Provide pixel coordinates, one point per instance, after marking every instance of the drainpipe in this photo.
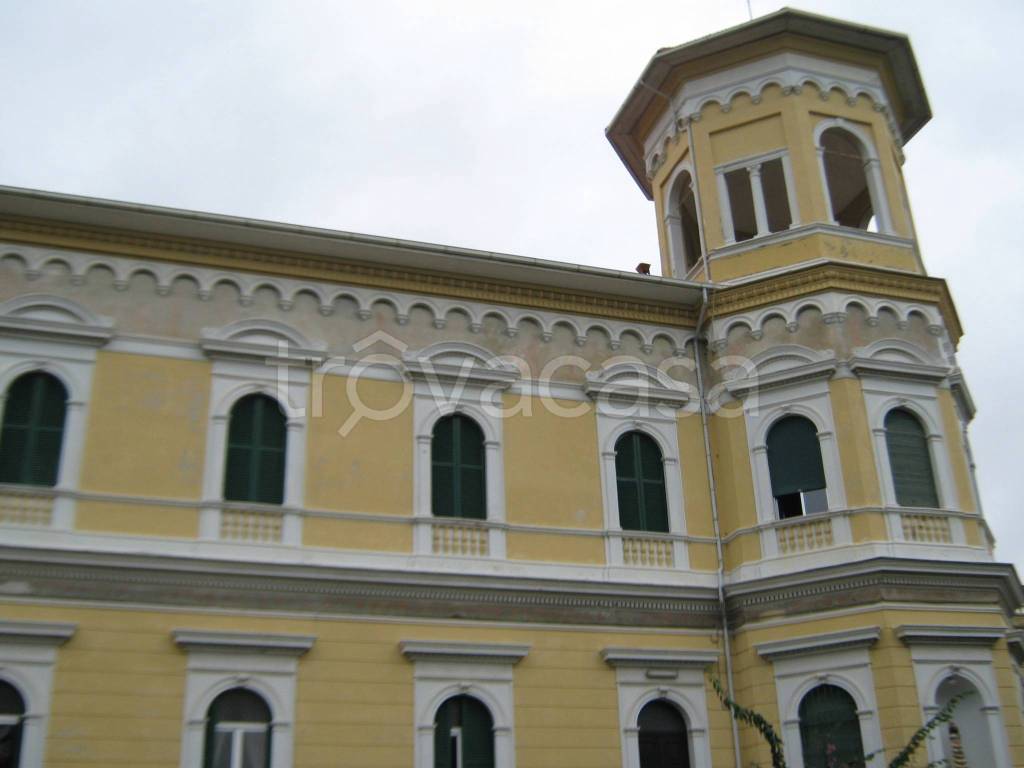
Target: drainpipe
(698, 358)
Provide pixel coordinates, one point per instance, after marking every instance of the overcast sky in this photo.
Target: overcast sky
(481, 124)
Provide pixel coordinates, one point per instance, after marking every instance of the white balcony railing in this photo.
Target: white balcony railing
(805, 536)
(256, 526)
(647, 551)
(460, 538)
(926, 529)
(26, 507)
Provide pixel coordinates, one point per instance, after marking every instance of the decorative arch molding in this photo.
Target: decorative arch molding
(632, 381)
(219, 661)
(54, 318)
(781, 366)
(33, 259)
(644, 675)
(789, 71)
(446, 669)
(261, 339)
(834, 308)
(459, 363)
(898, 358)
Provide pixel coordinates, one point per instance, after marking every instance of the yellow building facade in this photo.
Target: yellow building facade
(279, 496)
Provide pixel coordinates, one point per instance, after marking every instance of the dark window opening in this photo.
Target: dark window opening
(663, 738)
(640, 478)
(910, 460)
(846, 177)
(776, 198)
(687, 210)
(463, 734)
(12, 716)
(458, 473)
(33, 430)
(795, 467)
(830, 729)
(257, 438)
(741, 203)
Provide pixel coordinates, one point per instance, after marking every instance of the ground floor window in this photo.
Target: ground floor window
(238, 731)
(463, 734)
(12, 713)
(663, 742)
(830, 729)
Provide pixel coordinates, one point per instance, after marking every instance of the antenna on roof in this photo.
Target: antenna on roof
(750, 12)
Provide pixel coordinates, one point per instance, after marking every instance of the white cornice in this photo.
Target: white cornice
(243, 350)
(476, 653)
(899, 370)
(36, 632)
(825, 643)
(242, 642)
(798, 233)
(940, 634)
(823, 369)
(658, 657)
(54, 330)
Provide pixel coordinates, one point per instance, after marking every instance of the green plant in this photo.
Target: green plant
(756, 720)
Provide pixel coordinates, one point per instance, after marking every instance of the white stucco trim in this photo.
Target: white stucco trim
(28, 653)
(220, 661)
(481, 670)
(231, 380)
(648, 402)
(841, 659)
(448, 378)
(944, 653)
(644, 675)
(67, 351)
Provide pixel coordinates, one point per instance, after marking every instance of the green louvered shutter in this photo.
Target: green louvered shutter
(640, 479)
(476, 742)
(794, 457)
(33, 430)
(256, 451)
(910, 460)
(458, 476)
(830, 729)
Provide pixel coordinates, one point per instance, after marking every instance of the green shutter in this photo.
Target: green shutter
(794, 457)
(458, 475)
(830, 729)
(640, 479)
(257, 438)
(910, 460)
(33, 430)
(477, 728)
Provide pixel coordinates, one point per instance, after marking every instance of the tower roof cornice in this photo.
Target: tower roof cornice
(670, 68)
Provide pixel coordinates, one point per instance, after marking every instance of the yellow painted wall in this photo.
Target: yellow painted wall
(957, 455)
(552, 468)
(733, 473)
(553, 547)
(853, 435)
(693, 464)
(340, 533)
(140, 519)
(758, 136)
(370, 468)
(146, 426)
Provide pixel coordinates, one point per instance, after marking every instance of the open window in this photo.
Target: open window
(846, 178)
(685, 213)
(796, 469)
(238, 731)
(756, 198)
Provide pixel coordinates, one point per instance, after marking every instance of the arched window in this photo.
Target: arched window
(910, 461)
(794, 463)
(847, 179)
(684, 232)
(256, 451)
(463, 734)
(238, 731)
(969, 725)
(640, 476)
(458, 487)
(33, 430)
(12, 713)
(830, 729)
(662, 736)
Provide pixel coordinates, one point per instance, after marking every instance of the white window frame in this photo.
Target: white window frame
(841, 659)
(481, 670)
(674, 226)
(60, 338)
(28, 653)
(257, 357)
(872, 171)
(644, 675)
(266, 664)
(752, 165)
(458, 378)
(941, 652)
(634, 397)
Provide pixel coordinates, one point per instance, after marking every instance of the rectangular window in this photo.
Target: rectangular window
(776, 198)
(741, 203)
